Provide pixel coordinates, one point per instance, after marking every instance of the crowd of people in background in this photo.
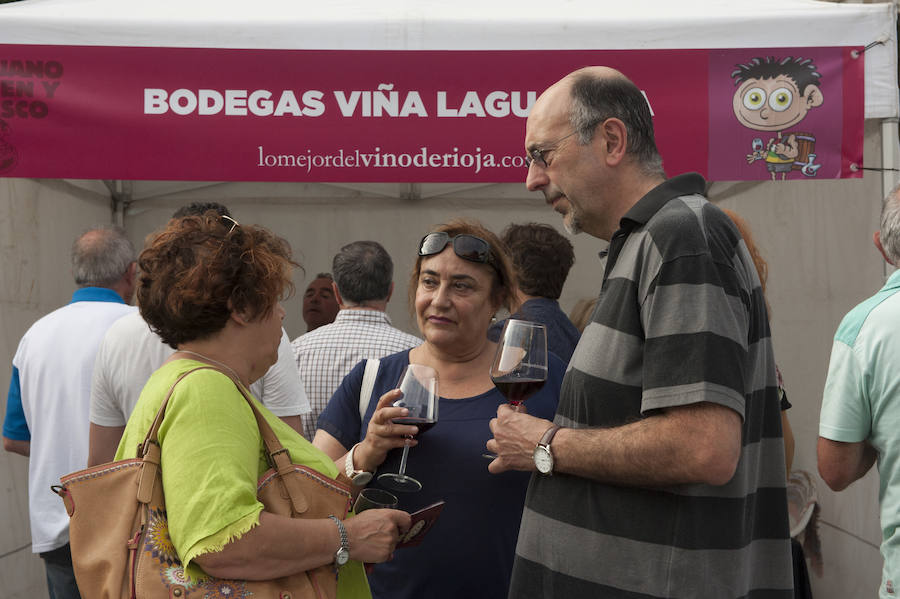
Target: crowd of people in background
(652, 463)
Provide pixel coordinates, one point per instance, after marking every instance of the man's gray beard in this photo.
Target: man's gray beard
(572, 224)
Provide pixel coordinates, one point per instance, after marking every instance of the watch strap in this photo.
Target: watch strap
(359, 478)
(344, 549)
(349, 468)
(547, 438)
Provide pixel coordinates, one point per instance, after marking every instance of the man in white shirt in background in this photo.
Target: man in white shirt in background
(130, 352)
(49, 392)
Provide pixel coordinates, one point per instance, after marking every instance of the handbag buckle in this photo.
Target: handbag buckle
(143, 447)
(270, 457)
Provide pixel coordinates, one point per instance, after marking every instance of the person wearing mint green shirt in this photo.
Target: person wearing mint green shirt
(860, 413)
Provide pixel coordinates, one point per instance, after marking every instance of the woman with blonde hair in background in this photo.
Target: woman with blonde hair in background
(801, 576)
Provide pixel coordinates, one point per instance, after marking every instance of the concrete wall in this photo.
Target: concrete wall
(816, 236)
(38, 223)
(817, 239)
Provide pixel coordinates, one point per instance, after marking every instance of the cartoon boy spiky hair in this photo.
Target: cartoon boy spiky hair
(774, 94)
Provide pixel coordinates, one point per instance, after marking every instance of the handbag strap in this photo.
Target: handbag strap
(276, 455)
(368, 385)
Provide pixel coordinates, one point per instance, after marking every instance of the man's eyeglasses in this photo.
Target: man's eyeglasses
(537, 154)
(467, 247)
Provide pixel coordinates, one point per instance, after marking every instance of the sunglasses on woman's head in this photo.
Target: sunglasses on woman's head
(467, 247)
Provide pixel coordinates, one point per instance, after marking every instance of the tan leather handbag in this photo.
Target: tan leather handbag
(120, 536)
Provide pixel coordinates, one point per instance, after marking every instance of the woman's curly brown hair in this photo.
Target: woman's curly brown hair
(198, 269)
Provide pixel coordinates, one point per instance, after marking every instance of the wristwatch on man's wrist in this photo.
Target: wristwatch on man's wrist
(543, 458)
(342, 555)
(359, 478)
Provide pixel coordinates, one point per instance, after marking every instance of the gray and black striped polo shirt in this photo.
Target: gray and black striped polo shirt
(681, 319)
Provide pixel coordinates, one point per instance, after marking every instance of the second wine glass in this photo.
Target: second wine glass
(519, 368)
(419, 385)
(372, 498)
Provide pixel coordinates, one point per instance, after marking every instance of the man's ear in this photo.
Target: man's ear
(337, 295)
(877, 239)
(130, 276)
(614, 137)
(813, 96)
(128, 283)
(390, 293)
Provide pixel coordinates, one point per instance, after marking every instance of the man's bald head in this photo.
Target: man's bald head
(591, 95)
(101, 256)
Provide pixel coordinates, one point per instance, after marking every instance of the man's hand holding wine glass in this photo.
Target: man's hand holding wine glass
(515, 436)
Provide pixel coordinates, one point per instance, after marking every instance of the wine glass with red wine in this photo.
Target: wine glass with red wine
(519, 368)
(420, 396)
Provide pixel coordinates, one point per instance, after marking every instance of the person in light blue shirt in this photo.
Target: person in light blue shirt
(860, 413)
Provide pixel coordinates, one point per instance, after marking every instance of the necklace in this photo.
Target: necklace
(208, 359)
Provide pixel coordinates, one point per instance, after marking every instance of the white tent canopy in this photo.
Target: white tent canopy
(434, 25)
(499, 25)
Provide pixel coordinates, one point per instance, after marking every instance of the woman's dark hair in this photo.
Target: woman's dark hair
(504, 281)
(542, 258)
(198, 269)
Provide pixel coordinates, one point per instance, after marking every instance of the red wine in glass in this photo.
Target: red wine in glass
(517, 390)
(423, 423)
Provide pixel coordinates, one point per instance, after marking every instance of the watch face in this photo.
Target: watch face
(341, 557)
(543, 460)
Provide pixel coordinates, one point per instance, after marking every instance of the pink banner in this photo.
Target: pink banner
(406, 116)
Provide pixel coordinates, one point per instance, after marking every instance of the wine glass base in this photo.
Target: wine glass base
(400, 482)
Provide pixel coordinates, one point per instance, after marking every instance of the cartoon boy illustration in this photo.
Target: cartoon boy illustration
(773, 95)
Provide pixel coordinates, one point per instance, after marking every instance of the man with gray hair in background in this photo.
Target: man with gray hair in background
(49, 393)
(363, 283)
(860, 412)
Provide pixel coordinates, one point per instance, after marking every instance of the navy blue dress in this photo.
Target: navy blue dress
(470, 550)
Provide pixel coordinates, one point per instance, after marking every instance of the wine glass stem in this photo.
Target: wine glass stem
(403, 457)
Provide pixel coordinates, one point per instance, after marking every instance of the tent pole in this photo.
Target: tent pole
(120, 212)
(890, 162)
(120, 195)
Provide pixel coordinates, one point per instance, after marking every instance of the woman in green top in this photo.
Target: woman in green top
(211, 288)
